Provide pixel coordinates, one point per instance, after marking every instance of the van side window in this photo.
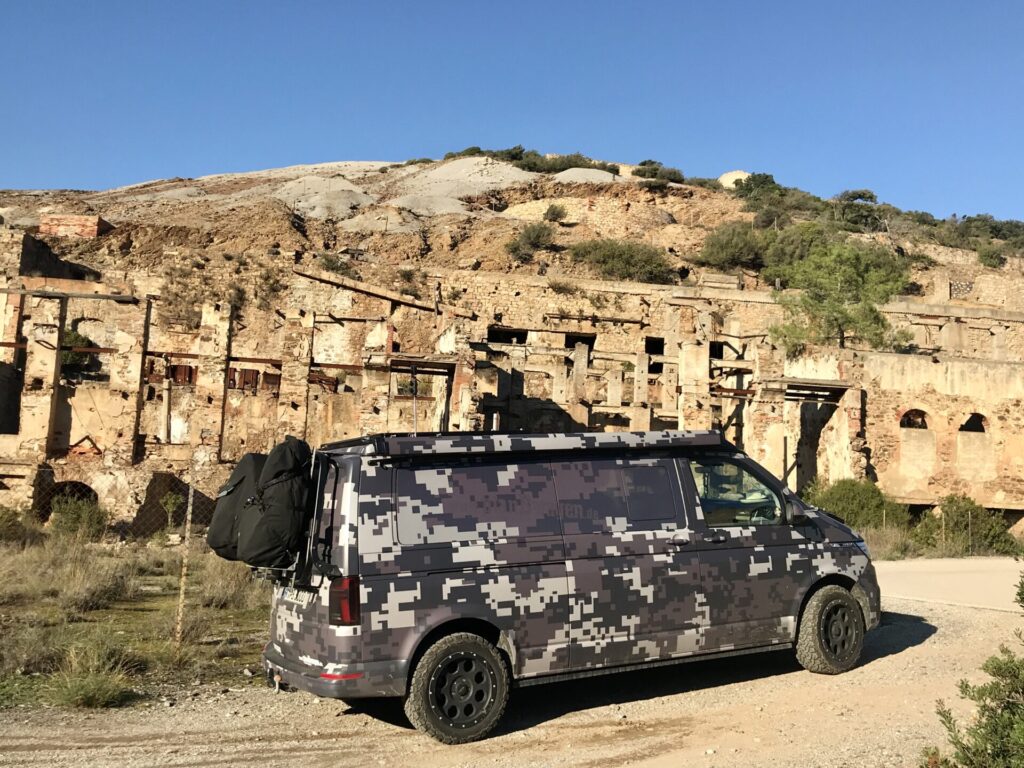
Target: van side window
(604, 495)
(474, 500)
(730, 494)
(590, 495)
(649, 493)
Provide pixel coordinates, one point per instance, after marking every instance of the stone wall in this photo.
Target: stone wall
(334, 358)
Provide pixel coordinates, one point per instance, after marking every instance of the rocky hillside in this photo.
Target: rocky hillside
(377, 220)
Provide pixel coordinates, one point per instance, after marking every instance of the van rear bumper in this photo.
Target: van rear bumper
(339, 681)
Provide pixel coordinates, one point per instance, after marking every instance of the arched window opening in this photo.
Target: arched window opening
(914, 419)
(62, 494)
(975, 423)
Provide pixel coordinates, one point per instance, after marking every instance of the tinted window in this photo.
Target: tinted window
(730, 494)
(474, 501)
(590, 495)
(648, 493)
(603, 495)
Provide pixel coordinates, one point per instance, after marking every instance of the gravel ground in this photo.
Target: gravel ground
(751, 711)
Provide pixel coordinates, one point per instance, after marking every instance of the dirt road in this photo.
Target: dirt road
(751, 711)
(980, 582)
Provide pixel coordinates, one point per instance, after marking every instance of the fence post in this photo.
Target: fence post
(184, 560)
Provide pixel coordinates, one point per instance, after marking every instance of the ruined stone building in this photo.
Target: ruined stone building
(99, 389)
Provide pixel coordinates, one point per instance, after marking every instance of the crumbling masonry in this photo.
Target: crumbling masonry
(336, 357)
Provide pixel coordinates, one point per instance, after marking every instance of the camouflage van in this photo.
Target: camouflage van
(447, 569)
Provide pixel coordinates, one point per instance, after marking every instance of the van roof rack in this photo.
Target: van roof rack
(473, 443)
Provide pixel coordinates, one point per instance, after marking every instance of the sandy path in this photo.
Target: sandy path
(750, 711)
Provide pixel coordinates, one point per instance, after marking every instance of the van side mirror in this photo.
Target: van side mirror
(795, 514)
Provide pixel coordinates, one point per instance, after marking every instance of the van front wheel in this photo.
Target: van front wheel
(459, 689)
(831, 632)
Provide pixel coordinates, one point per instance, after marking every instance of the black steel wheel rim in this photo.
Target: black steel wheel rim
(839, 630)
(461, 689)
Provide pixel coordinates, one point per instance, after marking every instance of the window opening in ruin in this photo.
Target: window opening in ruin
(243, 378)
(271, 382)
(914, 419)
(500, 335)
(182, 374)
(975, 423)
(717, 350)
(572, 339)
(654, 345)
(404, 385)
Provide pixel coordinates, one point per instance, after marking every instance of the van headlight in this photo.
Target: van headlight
(862, 547)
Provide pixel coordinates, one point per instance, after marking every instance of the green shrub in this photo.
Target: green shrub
(539, 236)
(771, 217)
(555, 213)
(339, 266)
(733, 244)
(696, 181)
(564, 287)
(991, 255)
(72, 338)
(860, 503)
(963, 528)
(93, 676)
(652, 169)
(655, 185)
(531, 160)
(626, 260)
(18, 528)
(83, 518)
(792, 245)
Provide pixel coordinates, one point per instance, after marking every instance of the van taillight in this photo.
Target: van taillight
(344, 602)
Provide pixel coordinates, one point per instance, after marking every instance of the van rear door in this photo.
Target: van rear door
(300, 626)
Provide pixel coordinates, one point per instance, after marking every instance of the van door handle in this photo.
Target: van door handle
(719, 538)
(678, 541)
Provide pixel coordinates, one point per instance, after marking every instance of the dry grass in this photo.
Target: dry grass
(223, 584)
(95, 674)
(77, 575)
(889, 543)
(85, 624)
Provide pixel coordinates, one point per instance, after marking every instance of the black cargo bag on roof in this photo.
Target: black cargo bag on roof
(222, 536)
(272, 526)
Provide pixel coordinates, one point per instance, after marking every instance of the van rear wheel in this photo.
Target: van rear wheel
(459, 689)
(831, 633)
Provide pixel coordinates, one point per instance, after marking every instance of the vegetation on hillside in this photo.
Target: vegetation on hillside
(652, 169)
(532, 160)
(625, 260)
(538, 236)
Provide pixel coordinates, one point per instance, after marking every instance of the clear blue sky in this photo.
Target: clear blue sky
(922, 102)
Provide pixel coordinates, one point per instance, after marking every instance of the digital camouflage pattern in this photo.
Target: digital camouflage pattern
(574, 551)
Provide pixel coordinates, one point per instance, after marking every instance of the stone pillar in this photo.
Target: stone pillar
(694, 405)
(43, 330)
(613, 396)
(213, 346)
(297, 353)
(765, 432)
(577, 407)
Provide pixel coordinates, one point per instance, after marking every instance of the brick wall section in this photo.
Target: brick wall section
(72, 225)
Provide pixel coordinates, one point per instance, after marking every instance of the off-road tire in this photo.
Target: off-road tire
(432, 679)
(831, 632)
